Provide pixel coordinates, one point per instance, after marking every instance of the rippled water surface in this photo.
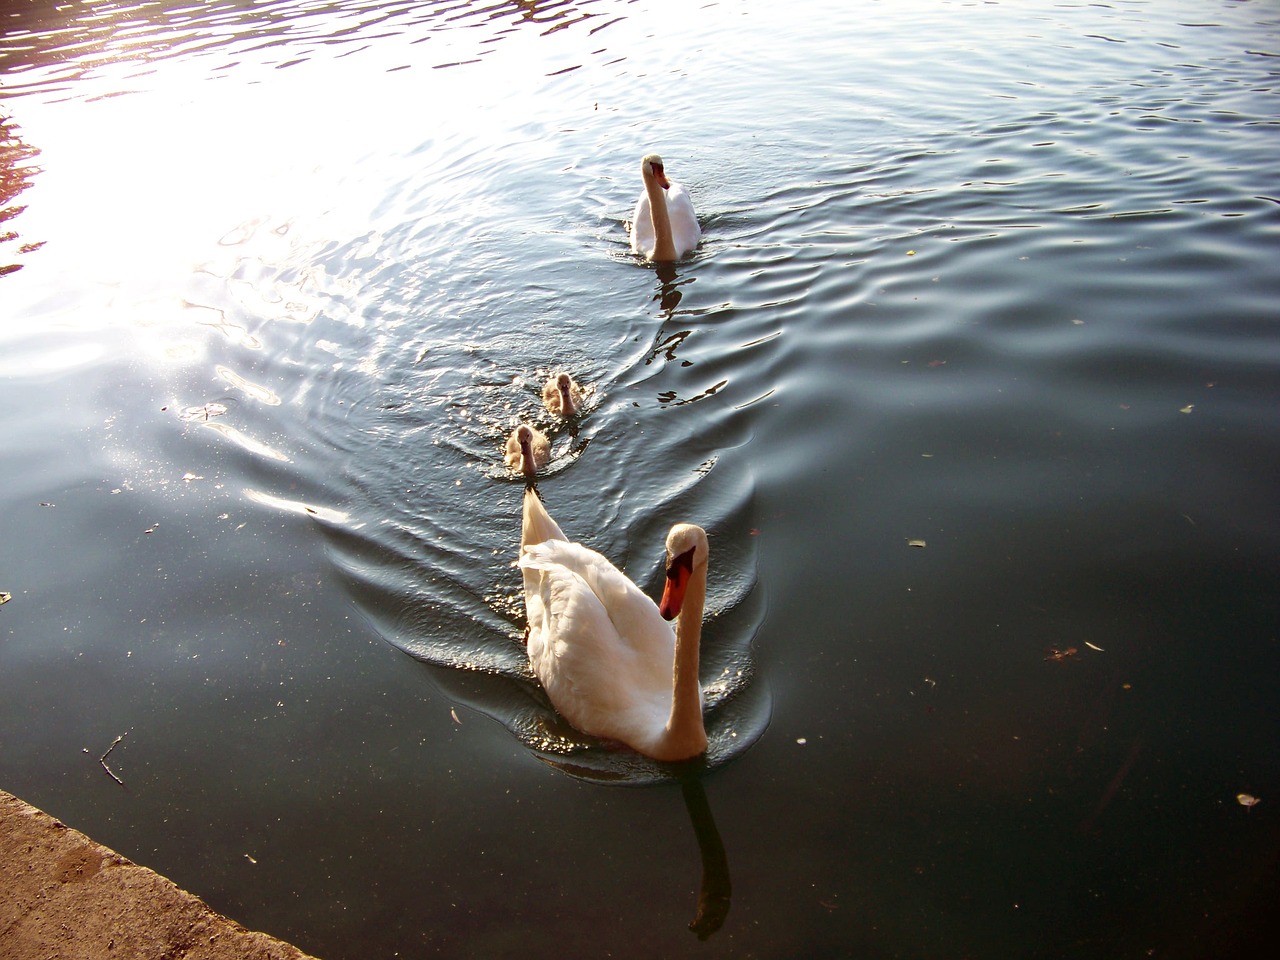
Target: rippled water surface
(973, 382)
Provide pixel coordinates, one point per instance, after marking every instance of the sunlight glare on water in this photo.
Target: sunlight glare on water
(972, 381)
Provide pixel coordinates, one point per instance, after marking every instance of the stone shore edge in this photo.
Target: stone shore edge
(67, 898)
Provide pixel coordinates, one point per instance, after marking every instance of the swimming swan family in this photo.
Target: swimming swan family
(607, 656)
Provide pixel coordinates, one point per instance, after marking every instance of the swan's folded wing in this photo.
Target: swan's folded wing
(642, 239)
(685, 232)
(634, 617)
(601, 681)
(566, 620)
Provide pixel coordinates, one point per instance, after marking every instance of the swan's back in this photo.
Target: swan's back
(597, 644)
(685, 232)
(642, 238)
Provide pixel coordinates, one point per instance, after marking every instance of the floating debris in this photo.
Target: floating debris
(916, 543)
(205, 411)
(1055, 654)
(1094, 646)
(103, 759)
(1245, 800)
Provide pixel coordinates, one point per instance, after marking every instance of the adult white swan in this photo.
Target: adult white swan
(663, 226)
(604, 651)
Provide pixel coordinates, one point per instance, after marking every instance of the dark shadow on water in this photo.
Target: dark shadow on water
(715, 891)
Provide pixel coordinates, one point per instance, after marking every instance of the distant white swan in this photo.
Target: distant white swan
(562, 396)
(663, 226)
(528, 450)
(603, 651)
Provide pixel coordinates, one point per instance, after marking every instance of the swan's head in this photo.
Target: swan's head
(686, 552)
(651, 166)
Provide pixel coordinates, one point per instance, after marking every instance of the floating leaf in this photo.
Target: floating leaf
(1188, 408)
(1245, 800)
(916, 543)
(1093, 646)
(5, 597)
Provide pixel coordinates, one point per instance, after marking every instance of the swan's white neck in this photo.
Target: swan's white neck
(664, 247)
(685, 735)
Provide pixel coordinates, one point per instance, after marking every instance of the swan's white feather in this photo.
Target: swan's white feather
(598, 645)
(685, 232)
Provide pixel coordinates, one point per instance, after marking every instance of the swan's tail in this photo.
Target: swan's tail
(538, 525)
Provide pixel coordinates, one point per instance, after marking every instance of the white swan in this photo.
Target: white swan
(562, 396)
(604, 651)
(528, 450)
(663, 226)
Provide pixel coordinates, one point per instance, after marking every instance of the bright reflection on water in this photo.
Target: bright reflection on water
(972, 380)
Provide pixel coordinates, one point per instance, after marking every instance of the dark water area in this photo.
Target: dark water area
(973, 382)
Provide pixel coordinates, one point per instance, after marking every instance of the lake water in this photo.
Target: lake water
(973, 381)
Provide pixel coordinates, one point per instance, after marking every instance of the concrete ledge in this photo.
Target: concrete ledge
(64, 897)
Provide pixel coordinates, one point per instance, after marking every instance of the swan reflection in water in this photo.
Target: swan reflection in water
(715, 889)
(669, 294)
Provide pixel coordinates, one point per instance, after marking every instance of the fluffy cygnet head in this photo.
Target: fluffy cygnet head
(528, 450)
(562, 396)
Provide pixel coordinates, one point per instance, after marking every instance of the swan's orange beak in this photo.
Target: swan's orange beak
(678, 572)
(661, 176)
